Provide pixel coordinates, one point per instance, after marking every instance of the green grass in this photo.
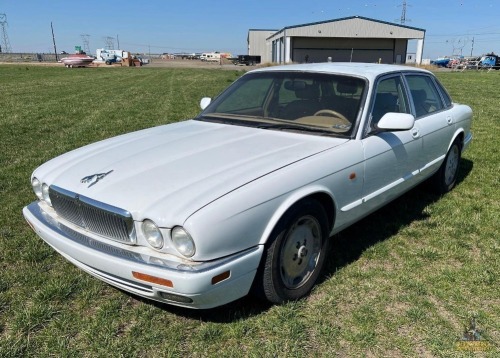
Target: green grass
(405, 281)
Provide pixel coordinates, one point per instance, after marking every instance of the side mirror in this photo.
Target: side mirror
(391, 122)
(205, 101)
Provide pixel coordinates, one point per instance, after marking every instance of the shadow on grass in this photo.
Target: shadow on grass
(346, 248)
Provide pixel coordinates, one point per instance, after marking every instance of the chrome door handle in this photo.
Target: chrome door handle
(415, 133)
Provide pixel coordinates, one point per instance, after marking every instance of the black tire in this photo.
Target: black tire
(446, 177)
(295, 253)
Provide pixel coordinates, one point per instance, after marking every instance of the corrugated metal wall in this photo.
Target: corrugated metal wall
(258, 46)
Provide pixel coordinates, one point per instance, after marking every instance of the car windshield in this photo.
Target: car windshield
(298, 101)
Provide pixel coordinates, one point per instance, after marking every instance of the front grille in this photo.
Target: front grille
(102, 219)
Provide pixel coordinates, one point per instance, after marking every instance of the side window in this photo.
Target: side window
(425, 95)
(444, 94)
(389, 97)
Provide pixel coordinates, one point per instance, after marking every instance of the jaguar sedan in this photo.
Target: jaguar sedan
(245, 196)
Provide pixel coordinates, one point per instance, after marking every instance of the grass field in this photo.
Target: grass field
(404, 282)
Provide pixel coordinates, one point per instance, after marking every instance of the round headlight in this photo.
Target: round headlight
(45, 194)
(152, 234)
(183, 242)
(37, 187)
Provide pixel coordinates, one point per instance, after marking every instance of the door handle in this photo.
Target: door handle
(449, 119)
(415, 133)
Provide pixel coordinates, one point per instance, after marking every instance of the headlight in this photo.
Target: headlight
(183, 242)
(152, 234)
(37, 187)
(45, 194)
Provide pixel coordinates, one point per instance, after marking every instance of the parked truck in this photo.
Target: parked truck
(489, 61)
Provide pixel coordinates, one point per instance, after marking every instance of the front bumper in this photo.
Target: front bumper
(115, 263)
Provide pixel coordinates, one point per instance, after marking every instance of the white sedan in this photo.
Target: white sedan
(247, 194)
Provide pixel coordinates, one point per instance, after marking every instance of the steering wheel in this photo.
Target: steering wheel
(332, 113)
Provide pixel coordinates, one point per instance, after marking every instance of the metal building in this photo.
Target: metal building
(258, 44)
(350, 39)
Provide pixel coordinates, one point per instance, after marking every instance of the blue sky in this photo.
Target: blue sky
(222, 25)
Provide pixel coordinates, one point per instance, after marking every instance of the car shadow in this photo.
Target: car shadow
(346, 247)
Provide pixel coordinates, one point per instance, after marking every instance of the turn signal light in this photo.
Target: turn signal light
(152, 279)
(221, 277)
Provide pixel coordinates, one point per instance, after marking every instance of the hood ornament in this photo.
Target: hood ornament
(94, 178)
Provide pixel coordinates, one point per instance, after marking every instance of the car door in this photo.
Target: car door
(392, 159)
(434, 118)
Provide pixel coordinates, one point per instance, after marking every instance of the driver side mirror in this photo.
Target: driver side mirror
(392, 122)
(205, 101)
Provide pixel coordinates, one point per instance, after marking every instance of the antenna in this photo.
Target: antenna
(86, 43)
(5, 45)
(110, 43)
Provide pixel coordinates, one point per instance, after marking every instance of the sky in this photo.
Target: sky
(453, 27)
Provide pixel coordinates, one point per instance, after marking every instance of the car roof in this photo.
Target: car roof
(367, 70)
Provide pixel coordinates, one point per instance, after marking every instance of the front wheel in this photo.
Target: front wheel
(295, 253)
(446, 177)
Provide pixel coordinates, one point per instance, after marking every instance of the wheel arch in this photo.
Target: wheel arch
(460, 134)
(319, 193)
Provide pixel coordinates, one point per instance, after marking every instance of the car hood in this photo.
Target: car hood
(169, 172)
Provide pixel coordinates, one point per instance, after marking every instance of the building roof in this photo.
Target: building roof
(346, 19)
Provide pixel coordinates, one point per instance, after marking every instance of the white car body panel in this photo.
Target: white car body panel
(228, 186)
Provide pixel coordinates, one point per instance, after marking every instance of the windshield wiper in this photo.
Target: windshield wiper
(294, 127)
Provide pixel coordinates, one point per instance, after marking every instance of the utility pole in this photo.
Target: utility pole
(54, 41)
(86, 43)
(403, 19)
(472, 48)
(5, 39)
(110, 42)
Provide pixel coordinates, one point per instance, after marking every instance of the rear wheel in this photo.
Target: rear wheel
(295, 253)
(446, 177)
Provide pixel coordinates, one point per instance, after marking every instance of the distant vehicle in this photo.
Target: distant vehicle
(210, 57)
(188, 56)
(247, 60)
(489, 61)
(441, 61)
(110, 56)
(80, 59)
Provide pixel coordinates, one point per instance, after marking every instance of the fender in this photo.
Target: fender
(294, 198)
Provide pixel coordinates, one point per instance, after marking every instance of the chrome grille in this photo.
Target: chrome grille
(102, 219)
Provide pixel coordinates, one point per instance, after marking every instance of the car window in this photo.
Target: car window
(444, 94)
(425, 95)
(390, 96)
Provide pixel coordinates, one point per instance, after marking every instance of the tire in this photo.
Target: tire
(446, 177)
(295, 253)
